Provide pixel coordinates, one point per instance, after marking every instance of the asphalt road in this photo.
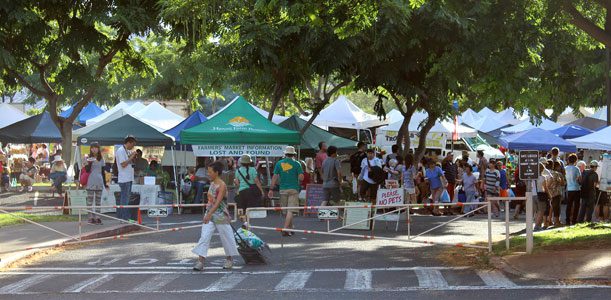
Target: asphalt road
(305, 266)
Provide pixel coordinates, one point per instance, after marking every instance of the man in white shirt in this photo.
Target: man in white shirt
(125, 165)
(368, 185)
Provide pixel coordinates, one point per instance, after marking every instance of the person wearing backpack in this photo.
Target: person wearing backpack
(355, 165)
(371, 176)
(589, 179)
(250, 189)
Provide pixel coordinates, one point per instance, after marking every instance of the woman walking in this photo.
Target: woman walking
(434, 175)
(250, 190)
(95, 182)
(216, 217)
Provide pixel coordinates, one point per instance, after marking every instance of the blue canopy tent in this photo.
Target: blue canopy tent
(194, 119)
(536, 139)
(35, 129)
(88, 112)
(571, 131)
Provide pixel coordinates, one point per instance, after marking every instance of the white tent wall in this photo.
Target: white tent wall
(183, 158)
(599, 140)
(133, 108)
(10, 115)
(156, 114)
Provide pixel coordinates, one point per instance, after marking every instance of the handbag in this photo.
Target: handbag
(376, 173)
(84, 176)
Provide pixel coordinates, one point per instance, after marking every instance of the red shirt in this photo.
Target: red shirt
(320, 158)
(306, 180)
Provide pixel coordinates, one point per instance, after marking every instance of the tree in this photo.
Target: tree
(61, 50)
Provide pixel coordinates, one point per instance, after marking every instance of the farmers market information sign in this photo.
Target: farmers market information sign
(238, 150)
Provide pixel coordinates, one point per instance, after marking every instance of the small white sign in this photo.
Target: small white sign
(388, 218)
(158, 212)
(390, 197)
(239, 150)
(257, 214)
(328, 214)
(149, 180)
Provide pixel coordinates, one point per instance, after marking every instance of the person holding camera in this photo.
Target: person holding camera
(125, 164)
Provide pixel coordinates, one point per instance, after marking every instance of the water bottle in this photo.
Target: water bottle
(14, 182)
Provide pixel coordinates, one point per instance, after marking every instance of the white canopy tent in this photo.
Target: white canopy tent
(342, 113)
(508, 116)
(486, 112)
(469, 116)
(10, 115)
(487, 124)
(599, 140)
(157, 115)
(600, 113)
(394, 116)
(445, 127)
(122, 105)
(545, 124)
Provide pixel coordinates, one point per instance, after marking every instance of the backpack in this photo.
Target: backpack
(355, 162)
(376, 173)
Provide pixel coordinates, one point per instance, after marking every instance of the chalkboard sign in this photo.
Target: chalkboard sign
(315, 196)
(77, 198)
(353, 215)
(529, 164)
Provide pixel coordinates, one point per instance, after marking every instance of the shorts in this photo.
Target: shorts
(289, 198)
(332, 195)
(603, 198)
(542, 203)
(504, 193)
(27, 178)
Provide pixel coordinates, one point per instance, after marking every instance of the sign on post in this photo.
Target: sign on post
(239, 150)
(158, 212)
(390, 197)
(528, 161)
(328, 214)
(315, 195)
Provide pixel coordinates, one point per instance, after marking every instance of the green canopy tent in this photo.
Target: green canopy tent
(314, 135)
(114, 133)
(238, 124)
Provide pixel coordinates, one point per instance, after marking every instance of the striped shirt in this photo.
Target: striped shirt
(493, 180)
(450, 171)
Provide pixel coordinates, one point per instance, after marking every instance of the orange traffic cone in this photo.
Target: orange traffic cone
(139, 217)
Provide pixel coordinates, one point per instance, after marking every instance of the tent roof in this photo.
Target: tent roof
(589, 123)
(313, 135)
(84, 130)
(469, 116)
(487, 124)
(194, 119)
(156, 114)
(394, 116)
(571, 131)
(35, 129)
(342, 113)
(445, 127)
(238, 123)
(275, 118)
(129, 108)
(600, 113)
(506, 116)
(114, 133)
(486, 112)
(598, 140)
(91, 110)
(535, 139)
(525, 125)
(10, 115)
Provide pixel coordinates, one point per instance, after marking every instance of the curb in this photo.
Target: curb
(501, 264)
(111, 231)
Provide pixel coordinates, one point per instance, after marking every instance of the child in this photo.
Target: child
(58, 174)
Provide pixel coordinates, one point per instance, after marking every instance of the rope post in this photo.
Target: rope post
(80, 225)
(489, 209)
(507, 224)
(529, 222)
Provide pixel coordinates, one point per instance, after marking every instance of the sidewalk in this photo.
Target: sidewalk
(21, 241)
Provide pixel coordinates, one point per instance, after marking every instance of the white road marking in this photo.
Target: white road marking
(88, 284)
(225, 283)
(430, 278)
(495, 278)
(293, 281)
(156, 283)
(131, 268)
(358, 280)
(23, 284)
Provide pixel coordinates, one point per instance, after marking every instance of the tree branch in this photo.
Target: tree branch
(27, 84)
(586, 25)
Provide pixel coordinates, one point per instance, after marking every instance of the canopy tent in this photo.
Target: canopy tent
(194, 119)
(486, 112)
(238, 123)
(342, 113)
(589, 123)
(601, 128)
(117, 114)
(469, 116)
(10, 115)
(156, 114)
(35, 129)
(313, 135)
(90, 111)
(275, 118)
(598, 140)
(571, 131)
(525, 125)
(536, 139)
(444, 127)
(600, 114)
(129, 108)
(507, 116)
(487, 124)
(567, 116)
(114, 133)
(394, 116)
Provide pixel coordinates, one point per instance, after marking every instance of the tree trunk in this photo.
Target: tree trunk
(66, 130)
(403, 134)
(276, 97)
(608, 66)
(430, 122)
(315, 114)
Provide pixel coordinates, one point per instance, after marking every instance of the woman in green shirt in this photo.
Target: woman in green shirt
(250, 190)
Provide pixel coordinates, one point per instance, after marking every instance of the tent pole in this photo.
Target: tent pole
(268, 172)
(175, 178)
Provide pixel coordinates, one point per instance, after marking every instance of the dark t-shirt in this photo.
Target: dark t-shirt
(588, 185)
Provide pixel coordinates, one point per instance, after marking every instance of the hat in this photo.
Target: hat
(57, 158)
(543, 160)
(94, 144)
(129, 138)
(290, 150)
(594, 163)
(245, 159)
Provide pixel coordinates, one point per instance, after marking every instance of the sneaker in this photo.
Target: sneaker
(98, 222)
(30, 188)
(22, 189)
(537, 229)
(198, 266)
(228, 264)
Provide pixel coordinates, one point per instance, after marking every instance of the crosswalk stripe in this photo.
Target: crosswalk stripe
(89, 284)
(156, 282)
(431, 278)
(23, 284)
(495, 278)
(227, 282)
(293, 281)
(358, 280)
